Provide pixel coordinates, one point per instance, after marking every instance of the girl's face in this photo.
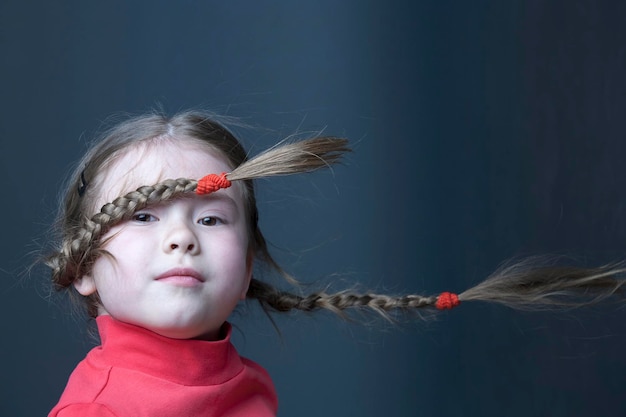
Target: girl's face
(180, 267)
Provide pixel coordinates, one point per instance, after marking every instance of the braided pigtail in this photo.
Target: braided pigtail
(274, 299)
(81, 248)
(521, 285)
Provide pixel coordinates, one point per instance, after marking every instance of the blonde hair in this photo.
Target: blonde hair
(533, 283)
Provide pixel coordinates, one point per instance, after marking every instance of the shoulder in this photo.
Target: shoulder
(87, 382)
(254, 368)
(83, 388)
(257, 386)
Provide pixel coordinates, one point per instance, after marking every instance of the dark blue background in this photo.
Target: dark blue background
(482, 130)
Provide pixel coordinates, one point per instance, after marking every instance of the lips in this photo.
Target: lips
(181, 276)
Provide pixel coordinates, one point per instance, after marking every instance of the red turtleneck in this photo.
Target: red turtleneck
(138, 373)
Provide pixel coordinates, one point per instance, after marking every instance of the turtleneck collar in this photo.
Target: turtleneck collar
(186, 362)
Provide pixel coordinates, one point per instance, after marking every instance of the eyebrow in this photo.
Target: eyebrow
(221, 198)
(218, 197)
(207, 198)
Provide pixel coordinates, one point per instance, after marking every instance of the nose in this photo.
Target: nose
(181, 239)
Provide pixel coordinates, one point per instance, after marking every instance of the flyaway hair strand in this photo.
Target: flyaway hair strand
(292, 158)
(525, 286)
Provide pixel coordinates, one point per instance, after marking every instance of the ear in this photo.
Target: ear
(249, 267)
(85, 285)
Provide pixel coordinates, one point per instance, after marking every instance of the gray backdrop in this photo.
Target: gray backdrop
(482, 130)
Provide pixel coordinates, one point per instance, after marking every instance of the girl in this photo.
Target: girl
(159, 235)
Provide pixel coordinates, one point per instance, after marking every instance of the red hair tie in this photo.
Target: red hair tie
(211, 183)
(447, 300)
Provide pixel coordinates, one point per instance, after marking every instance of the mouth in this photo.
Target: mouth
(184, 277)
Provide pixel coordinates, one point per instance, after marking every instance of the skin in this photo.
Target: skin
(178, 268)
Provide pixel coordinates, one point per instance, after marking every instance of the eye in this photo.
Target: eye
(209, 221)
(144, 218)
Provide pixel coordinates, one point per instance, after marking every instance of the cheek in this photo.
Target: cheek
(103, 274)
(231, 255)
(121, 261)
(108, 274)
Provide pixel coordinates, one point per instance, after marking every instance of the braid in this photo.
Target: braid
(524, 285)
(81, 248)
(283, 301)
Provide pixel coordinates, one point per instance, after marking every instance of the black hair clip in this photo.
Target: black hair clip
(83, 184)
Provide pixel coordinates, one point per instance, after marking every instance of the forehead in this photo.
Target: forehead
(153, 161)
